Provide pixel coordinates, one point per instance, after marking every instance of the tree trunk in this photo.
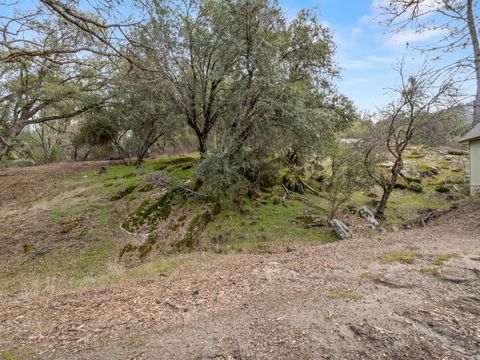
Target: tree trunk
(202, 144)
(9, 140)
(3, 149)
(387, 191)
(476, 53)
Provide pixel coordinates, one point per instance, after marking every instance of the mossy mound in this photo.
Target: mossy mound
(182, 163)
(428, 170)
(196, 226)
(145, 187)
(148, 213)
(124, 192)
(415, 187)
(401, 184)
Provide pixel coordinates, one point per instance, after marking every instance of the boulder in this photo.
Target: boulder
(401, 183)
(428, 170)
(341, 229)
(368, 215)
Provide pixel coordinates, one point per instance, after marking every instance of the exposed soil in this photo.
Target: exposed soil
(333, 301)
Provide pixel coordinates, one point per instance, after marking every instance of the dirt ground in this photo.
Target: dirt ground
(342, 300)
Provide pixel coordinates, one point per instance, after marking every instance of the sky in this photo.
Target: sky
(366, 54)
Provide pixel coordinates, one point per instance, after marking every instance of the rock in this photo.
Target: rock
(103, 170)
(387, 164)
(341, 229)
(401, 183)
(428, 171)
(368, 215)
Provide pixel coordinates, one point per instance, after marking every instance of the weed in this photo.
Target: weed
(404, 257)
(351, 295)
(440, 260)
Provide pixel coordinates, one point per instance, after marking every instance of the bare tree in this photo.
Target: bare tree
(456, 20)
(418, 96)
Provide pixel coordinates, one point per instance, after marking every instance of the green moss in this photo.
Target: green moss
(27, 249)
(148, 213)
(415, 187)
(70, 224)
(196, 226)
(145, 187)
(440, 260)
(265, 224)
(130, 198)
(351, 295)
(404, 257)
(147, 246)
(124, 192)
(126, 249)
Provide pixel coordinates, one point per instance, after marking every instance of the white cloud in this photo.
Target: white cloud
(411, 36)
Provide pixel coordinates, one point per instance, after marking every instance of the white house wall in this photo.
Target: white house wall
(475, 167)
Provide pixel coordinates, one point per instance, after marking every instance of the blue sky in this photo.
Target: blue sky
(366, 54)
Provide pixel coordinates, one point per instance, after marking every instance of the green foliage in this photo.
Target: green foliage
(348, 175)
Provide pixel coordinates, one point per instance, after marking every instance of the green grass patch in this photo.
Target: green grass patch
(15, 354)
(262, 225)
(440, 260)
(404, 257)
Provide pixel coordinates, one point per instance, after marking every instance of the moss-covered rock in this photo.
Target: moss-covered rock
(124, 192)
(309, 221)
(196, 226)
(69, 224)
(415, 187)
(428, 170)
(146, 247)
(145, 187)
(401, 183)
(148, 213)
(126, 249)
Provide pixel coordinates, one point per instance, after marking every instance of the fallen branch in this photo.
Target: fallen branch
(308, 187)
